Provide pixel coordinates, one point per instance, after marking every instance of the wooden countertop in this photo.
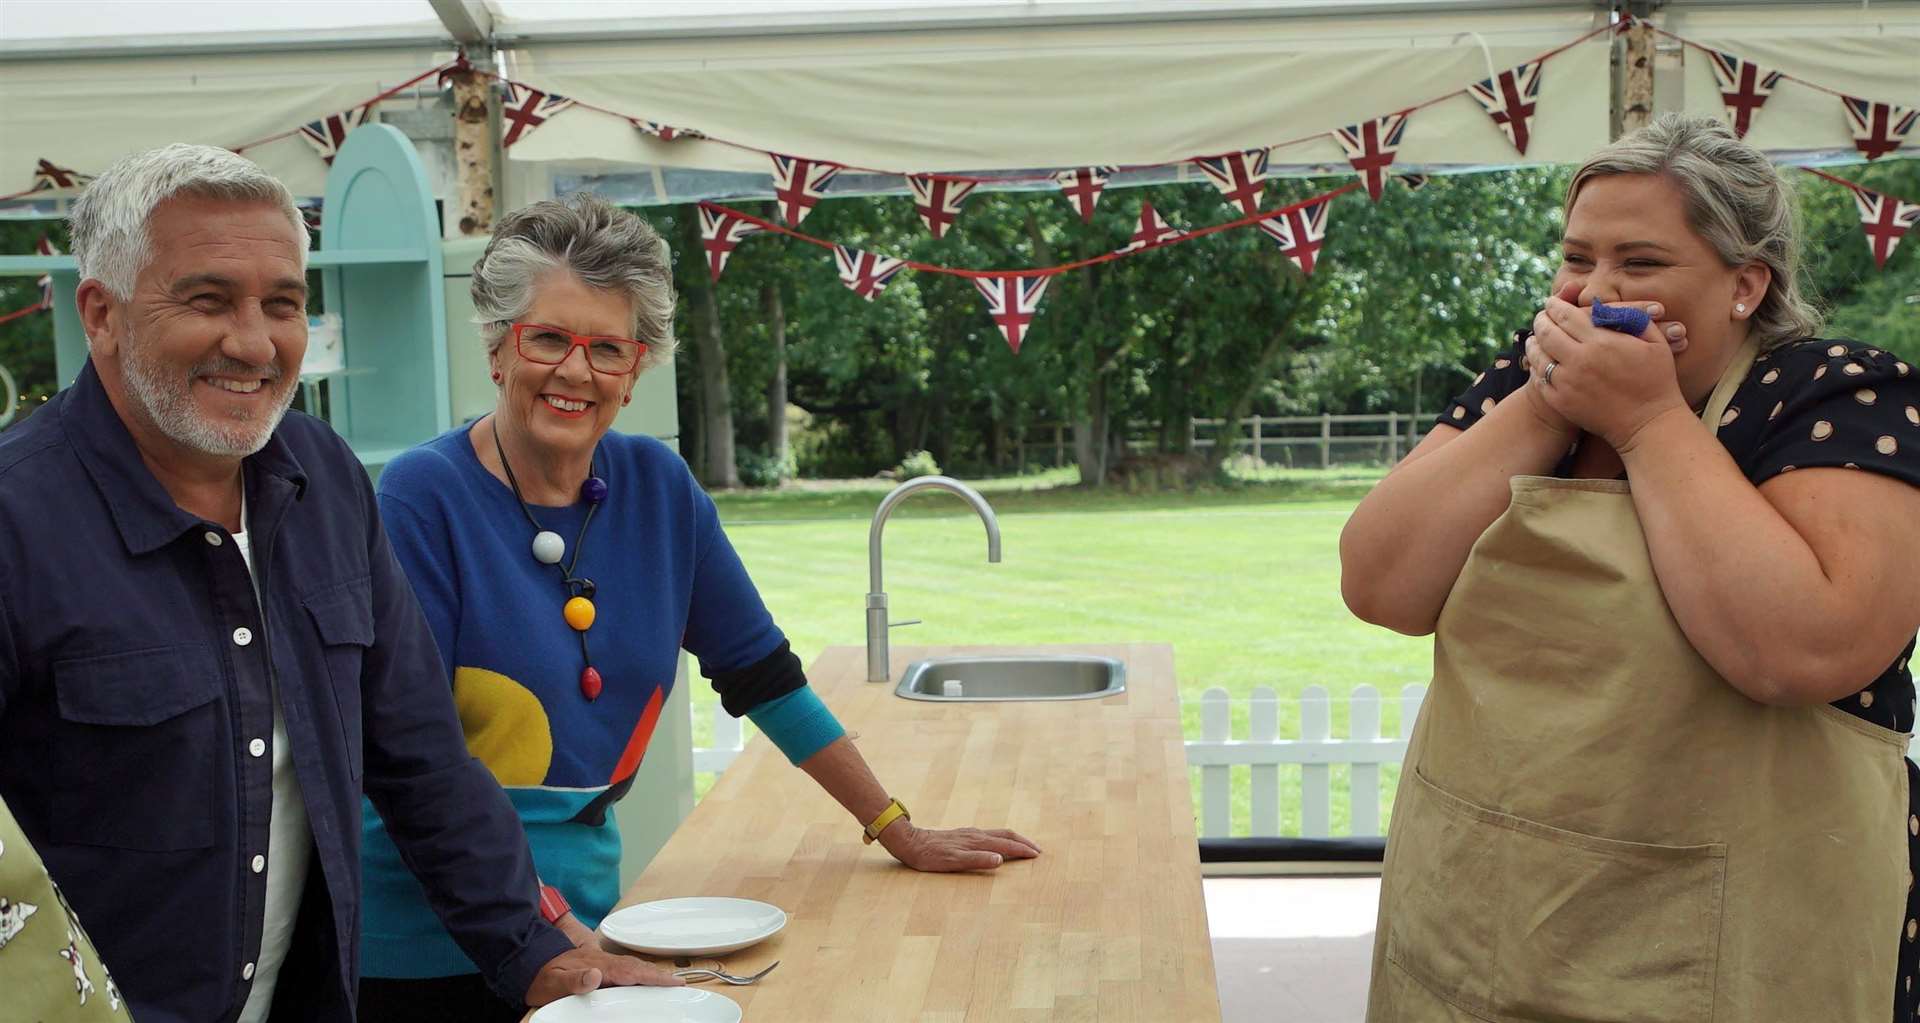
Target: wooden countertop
(1108, 924)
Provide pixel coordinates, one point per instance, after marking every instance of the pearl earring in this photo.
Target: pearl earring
(1739, 307)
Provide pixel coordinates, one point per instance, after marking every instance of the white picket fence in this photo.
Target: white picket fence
(1216, 753)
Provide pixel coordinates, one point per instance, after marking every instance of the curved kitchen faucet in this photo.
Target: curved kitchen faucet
(877, 624)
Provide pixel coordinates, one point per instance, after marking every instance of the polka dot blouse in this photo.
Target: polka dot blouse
(1811, 404)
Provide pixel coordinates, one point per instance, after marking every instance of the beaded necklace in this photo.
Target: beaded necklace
(549, 548)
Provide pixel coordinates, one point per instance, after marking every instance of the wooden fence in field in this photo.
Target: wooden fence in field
(1268, 438)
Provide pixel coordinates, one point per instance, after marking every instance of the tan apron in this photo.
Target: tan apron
(1593, 825)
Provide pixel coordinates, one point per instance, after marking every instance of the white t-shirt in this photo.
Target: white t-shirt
(288, 840)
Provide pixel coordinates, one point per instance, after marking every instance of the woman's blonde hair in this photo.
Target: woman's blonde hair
(1735, 199)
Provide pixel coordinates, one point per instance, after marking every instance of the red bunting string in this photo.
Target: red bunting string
(1047, 271)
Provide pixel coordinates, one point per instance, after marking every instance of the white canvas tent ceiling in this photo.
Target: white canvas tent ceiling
(952, 85)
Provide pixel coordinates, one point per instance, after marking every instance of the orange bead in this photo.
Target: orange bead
(579, 613)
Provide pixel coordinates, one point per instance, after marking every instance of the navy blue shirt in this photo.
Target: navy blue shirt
(136, 667)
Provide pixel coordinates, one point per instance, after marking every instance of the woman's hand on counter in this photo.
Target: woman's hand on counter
(942, 851)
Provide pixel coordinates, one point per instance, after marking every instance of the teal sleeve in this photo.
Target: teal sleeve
(798, 723)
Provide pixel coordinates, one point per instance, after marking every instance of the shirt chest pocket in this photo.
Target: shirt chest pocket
(135, 754)
(343, 617)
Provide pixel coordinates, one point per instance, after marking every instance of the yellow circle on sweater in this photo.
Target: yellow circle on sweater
(505, 726)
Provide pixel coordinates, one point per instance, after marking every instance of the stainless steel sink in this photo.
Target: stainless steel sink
(1056, 677)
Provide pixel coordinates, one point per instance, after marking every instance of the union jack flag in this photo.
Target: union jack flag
(45, 247)
(721, 230)
(1239, 176)
(1082, 187)
(50, 177)
(1013, 302)
(1370, 147)
(866, 273)
(1153, 230)
(1884, 219)
(523, 109)
(798, 184)
(664, 132)
(1300, 232)
(1878, 128)
(329, 133)
(1510, 98)
(1744, 87)
(938, 199)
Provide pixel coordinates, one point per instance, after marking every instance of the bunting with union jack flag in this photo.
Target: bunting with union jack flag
(1152, 231)
(1510, 98)
(867, 273)
(51, 177)
(721, 231)
(329, 133)
(1744, 88)
(1370, 146)
(663, 132)
(938, 199)
(1240, 177)
(1082, 187)
(1300, 233)
(1013, 302)
(1885, 220)
(798, 184)
(1878, 128)
(523, 109)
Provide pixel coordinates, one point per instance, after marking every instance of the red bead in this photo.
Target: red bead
(590, 684)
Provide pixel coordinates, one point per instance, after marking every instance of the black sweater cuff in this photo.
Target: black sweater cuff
(769, 678)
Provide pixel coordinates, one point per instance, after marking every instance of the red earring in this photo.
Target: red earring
(496, 378)
(628, 400)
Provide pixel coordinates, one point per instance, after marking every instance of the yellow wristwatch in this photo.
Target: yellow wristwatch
(895, 811)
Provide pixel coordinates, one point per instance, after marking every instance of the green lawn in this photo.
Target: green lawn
(1243, 581)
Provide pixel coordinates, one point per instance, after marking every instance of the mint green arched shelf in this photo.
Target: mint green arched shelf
(382, 273)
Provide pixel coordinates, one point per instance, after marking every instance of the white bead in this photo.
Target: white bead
(548, 548)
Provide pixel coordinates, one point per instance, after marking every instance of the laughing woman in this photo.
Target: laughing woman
(563, 567)
(1673, 581)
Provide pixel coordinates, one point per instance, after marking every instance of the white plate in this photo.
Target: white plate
(697, 926)
(642, 1005)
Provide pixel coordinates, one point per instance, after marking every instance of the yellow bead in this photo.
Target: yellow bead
(579, 613)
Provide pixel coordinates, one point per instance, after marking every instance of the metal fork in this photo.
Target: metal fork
(722, 975)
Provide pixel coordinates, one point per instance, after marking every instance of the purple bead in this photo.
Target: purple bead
(594, 490)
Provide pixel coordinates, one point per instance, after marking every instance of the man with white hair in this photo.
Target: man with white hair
(207, 651)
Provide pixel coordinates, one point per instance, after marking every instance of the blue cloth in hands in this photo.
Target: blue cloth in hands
(1625, 319)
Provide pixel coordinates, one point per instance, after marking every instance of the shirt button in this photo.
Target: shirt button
(259, 864)
(242, 636)
(257, 747)
(246, 972)
(213, 539)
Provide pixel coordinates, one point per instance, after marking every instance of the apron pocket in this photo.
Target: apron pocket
(1514, 920)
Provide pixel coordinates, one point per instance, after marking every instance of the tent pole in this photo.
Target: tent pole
(1634, 72)
(474, 143)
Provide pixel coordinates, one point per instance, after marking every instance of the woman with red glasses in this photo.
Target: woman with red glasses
(562, 567)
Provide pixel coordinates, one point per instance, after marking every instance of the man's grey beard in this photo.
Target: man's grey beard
(168, 403)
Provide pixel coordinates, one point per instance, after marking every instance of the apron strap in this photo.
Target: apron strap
(1730, 381)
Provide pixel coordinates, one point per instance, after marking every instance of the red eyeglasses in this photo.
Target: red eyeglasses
(550, 346)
